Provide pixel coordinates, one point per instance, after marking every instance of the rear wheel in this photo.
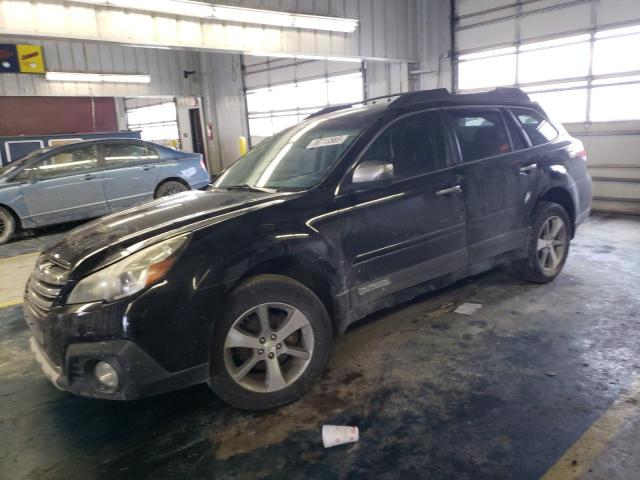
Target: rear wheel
(7, 225)
(548, 245)
(271, 344)
(170, 187)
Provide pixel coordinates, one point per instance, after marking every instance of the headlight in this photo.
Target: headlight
(129, 275)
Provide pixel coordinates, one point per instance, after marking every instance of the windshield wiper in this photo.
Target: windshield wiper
(249, 188)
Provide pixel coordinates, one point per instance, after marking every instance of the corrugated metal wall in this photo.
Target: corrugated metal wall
(613, 147)
(164, 66)
(386, 28)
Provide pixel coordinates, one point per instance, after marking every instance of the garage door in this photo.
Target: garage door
(281, 92)
(579, 60)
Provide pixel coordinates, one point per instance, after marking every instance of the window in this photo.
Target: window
(481, 134)
(564, 106)
(277, 108)
(120, 154)
(617, 102)
(487, 72)
(158, 123)
(517, 140)
(70, 162)
(415, 145)
(592, 74)
(566, 61)
(613, 55)
(538, 129)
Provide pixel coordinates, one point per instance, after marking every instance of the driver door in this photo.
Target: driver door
(412, 230)
(65, 186)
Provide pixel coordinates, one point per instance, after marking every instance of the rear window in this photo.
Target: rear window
(481, 133)
(538, 128)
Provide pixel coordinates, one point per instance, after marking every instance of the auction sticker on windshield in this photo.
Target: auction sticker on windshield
(327, 141)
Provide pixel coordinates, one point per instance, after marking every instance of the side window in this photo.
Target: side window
(480, 133)
(122, 154)
(538, 128)
(415, 145)
(515, 132)
(69, 162)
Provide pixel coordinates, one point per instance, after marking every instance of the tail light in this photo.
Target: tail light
(577, 150)
(202, 164)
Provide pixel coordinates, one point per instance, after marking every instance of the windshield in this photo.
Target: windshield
(298, 158)
(21, 161)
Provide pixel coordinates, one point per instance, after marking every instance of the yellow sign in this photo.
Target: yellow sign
(30, 59)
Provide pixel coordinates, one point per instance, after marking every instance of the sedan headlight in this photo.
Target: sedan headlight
(129, 275)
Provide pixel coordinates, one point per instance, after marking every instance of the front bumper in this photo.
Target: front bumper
(51, 371)
(139, 375)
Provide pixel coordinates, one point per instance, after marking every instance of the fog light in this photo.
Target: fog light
(106, 375)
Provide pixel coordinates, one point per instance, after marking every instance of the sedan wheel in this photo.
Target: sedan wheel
(170, 187)
(7, 226)
(269, 347)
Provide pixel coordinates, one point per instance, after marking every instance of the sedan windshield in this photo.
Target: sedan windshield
(298, 158)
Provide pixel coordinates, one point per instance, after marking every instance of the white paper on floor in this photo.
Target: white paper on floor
(468, 308)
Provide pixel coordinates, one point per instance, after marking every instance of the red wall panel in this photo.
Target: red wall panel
(50, 115)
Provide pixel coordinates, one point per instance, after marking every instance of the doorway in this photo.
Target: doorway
(196, 132)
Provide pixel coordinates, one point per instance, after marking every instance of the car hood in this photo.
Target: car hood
(154, 220)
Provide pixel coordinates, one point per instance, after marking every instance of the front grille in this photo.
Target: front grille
(45, 285)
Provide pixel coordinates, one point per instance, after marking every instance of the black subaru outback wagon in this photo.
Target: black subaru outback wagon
(355, 209)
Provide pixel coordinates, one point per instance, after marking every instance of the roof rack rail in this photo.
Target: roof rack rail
(335, 108)
(502, 94)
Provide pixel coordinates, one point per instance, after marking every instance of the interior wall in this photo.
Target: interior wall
(165, 68)
(220, 77)
(383, 78)
(433, 37)
(51, 115)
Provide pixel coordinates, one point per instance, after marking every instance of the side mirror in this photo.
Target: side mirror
(372, 174)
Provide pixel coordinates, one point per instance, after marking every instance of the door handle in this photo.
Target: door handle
(528, 168)
(450, 190)
(88, 176)
(147, 167)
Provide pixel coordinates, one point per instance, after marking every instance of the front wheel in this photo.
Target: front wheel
(7, 225)
(271, 344)
(548, 245)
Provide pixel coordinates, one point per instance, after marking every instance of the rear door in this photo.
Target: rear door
(497, 180)
(66, 186)
(130, 173)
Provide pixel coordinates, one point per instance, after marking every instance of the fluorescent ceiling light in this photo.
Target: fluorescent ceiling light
(305, 57)
(344, 59)
(96, 77)
(234, 14)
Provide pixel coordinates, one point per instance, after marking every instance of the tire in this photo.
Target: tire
(170, 187)
(547, 249)
(7, 225)
(256, 386)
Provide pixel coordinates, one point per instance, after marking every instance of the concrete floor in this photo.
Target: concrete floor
(540, 380)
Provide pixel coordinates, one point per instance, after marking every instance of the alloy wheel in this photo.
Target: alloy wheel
(268, 347)
(172, 191)
(552, 244)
